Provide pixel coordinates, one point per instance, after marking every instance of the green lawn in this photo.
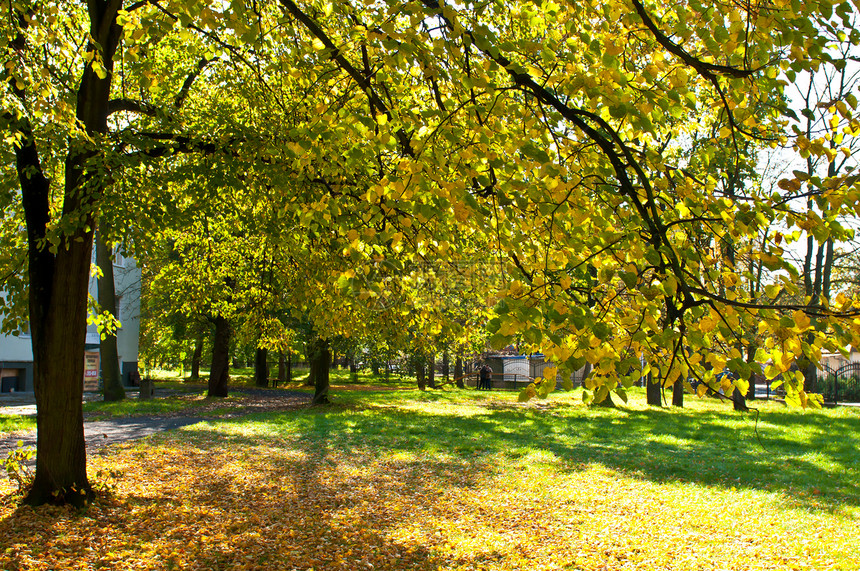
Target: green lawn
(15, 422)
(449, 479)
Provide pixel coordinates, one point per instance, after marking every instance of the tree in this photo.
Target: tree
(113, 389)
(551, 133)
(59, 255)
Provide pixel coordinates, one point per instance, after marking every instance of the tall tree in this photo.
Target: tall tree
(113, 389)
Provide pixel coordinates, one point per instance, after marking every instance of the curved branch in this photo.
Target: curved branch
(709, 70)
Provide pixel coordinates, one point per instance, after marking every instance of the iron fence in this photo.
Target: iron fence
(840, 385)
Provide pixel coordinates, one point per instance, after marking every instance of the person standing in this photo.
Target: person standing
(486, 378)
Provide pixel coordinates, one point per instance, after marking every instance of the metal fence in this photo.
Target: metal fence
(840, 385)
(501, 380)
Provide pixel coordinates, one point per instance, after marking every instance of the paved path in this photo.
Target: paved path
(99, 433)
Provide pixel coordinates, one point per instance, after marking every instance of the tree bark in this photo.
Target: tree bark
(446, 367)
(431, 372)
(320, 365)
(678, 393)
(196, 358)
(220, 371)
(458, 373)
(282, 369)
(261, 367)
(311, 380)
(652, 391)
(419, 375)
(738, 401)
(111, 380)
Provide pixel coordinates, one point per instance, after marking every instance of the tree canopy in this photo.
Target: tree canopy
(600, 154)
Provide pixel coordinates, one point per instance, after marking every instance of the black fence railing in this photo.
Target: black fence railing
(841, 384)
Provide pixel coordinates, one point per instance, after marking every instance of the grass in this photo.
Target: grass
(449, 479)
(16, 423)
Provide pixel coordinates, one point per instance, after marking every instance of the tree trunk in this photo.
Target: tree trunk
(58, 288)
(738, 401)
(353, 369)
(446, 367)
(419, 375)
(311, 380)
(282, 369)
(652, 391)
(220, 371)
(196, 358)
(111, 381)
(58, 312)
(289, 367)
(458, 373)
(678, 393)
(261, 367)
(431, 372)
(751, 362)
(320, 365)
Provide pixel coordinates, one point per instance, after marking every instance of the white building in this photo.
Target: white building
(16, 352)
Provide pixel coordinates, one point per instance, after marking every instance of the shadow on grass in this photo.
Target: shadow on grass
(813, 459)
(304, 488)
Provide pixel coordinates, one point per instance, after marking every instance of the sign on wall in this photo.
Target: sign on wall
(91, 371)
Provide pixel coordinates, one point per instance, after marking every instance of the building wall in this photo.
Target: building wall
(16, 353)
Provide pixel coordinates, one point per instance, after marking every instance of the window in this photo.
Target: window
(118, 258)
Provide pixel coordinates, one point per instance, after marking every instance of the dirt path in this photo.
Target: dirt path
(103, 431)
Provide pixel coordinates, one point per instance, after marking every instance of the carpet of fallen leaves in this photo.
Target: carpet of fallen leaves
(242, 495)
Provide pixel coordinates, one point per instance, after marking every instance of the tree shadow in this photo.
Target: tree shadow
(343, 488)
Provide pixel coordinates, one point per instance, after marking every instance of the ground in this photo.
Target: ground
(465, 480)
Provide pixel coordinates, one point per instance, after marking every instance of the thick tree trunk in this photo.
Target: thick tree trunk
(678, 393)
(58, 314)
(111, 380)
(219, 374)
(59, 282)
(196, 357)
(320, 365)
(458, 373)
(261, 367)
(652, 391)
(446, 367)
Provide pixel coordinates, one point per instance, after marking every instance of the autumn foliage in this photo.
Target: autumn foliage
(402, 480)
